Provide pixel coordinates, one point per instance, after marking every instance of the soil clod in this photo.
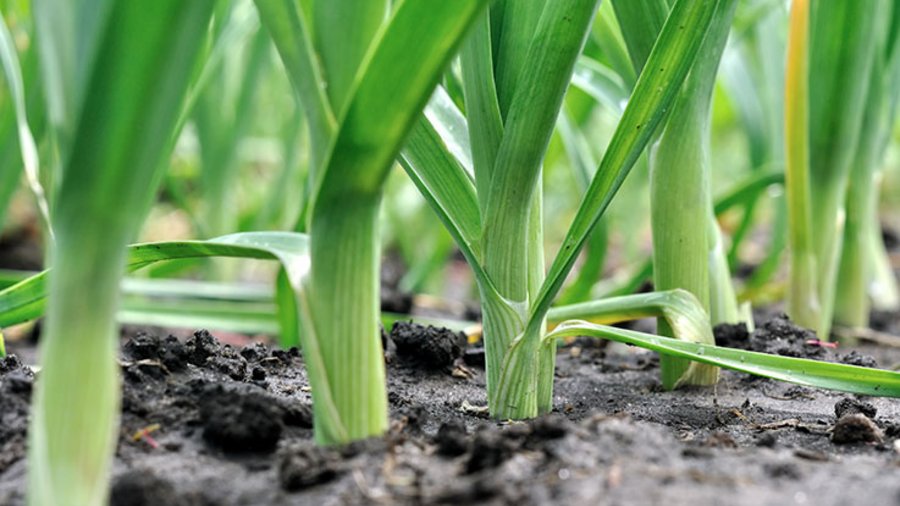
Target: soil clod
(780, 336)
(451, 439)
(732, 335)
(858, 359)
(432, 347)
(489, 449)
(142, 487)
(849, 406)
(240, 419)
(302, 466)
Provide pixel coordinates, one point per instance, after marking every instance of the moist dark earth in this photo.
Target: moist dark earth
(205, 423)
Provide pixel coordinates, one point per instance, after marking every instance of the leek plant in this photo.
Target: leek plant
(359, 112)
(113, 131)
(686, 254)
(865, 278)
(838, 90)
(516, 66)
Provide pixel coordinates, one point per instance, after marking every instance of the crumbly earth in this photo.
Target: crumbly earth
(207, 424)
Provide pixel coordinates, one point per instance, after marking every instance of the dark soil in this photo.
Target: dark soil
(20, 249)
(207, 424)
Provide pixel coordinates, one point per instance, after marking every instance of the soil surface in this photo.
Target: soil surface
(208, 424)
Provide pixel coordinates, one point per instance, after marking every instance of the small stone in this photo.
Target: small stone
(856, 428)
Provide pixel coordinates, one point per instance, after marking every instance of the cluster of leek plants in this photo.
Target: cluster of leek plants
(474, 147)
(516, 66)
(843, 72)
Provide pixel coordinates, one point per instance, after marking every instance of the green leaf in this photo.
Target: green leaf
(640, 22)
(10, 60)
(417, 44)
(343, 31)
(812, 373)
(513, 27)
(601, 83)
(482, 108)
(446, 185)
(288, 26)
(25, 300)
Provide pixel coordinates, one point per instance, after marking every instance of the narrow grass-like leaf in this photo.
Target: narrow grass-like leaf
(513, 27)
(450, 124)
(483, 110)
(9, 58)
(289, 28)
(25, 300)
(601, 83)
(812, 373)
(640, 22)
(682, 312)
(608, 36)
(343, 31)
(446, 186)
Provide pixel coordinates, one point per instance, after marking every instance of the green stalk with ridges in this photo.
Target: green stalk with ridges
(687, 254)
(802, 298)
(512, 218)
(342, 319)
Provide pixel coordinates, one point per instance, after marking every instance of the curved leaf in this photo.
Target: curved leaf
(812, 373)
(25, 300)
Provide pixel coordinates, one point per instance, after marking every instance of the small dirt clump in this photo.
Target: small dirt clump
(780, 336)
(732, 335)
(303, 465)
(240, 419)
(849, 406)
(858, 359)
(141, 487)
(432, 347)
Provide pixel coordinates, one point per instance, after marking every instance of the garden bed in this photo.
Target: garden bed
(208, 424)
